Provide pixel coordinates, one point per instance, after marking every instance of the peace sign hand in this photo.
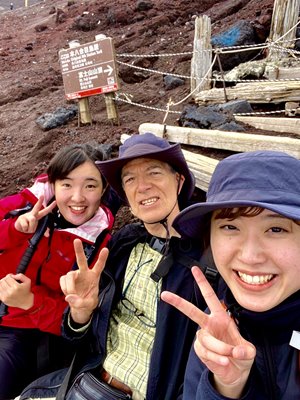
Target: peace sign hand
(218, 343)
(28, 222)
(81, 287)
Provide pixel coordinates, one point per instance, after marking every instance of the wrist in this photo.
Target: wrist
(76, 327)
(28, 303)
(81, 317)
(233, 391)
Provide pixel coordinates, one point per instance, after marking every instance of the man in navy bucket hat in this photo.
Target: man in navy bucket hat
(150, 146)
(248, 344)
(140, 344)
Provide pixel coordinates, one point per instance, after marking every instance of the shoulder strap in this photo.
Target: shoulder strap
(206, 264)
(65, 383)
(18, 211)
(43, 224)
(162, 268)
(28, 254)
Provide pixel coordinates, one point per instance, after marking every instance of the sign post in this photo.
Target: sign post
(89, 70)
(84, 114)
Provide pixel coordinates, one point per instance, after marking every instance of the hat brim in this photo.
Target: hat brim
(192, 221)
(112, 169)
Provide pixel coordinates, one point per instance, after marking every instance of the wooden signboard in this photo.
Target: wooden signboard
(89, 69)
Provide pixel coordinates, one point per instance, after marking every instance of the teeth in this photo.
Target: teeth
(149, 201)
(255, 279)
(77, 208)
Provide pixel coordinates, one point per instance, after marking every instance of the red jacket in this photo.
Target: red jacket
(52, 259)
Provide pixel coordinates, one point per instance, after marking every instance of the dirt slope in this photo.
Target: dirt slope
(31, 82)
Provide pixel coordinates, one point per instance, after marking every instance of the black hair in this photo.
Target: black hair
(72, 156)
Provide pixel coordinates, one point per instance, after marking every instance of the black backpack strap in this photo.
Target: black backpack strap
(28, 254)
(206, 264)
(163, 268)
(18, 211)
(43, 224)
(65, 383)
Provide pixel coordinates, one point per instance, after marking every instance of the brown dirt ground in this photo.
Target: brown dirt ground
(31, 82)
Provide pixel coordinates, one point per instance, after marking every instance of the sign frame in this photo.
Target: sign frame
(89, 69)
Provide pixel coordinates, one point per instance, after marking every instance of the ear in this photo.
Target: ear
(52, 186)
(180, 178)
(105, 186)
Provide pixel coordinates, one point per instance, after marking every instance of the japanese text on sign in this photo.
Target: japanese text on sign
(89, 69)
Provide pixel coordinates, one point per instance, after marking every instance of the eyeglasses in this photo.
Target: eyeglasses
(138, 313)
(132, 308)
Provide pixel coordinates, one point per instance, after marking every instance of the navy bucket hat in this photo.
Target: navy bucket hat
(266, 179)
(148, 145)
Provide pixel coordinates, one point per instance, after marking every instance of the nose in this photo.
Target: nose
(77, 195)
(143, 184)
(252, 251)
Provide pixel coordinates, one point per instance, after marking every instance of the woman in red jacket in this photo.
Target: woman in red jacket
(71, 193)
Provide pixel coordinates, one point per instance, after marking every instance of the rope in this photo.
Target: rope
(263, 113)
(127, 98)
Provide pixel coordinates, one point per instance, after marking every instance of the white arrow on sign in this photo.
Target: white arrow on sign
(109, 70)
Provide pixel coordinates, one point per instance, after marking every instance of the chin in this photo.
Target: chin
(151, 221)
(77, 221)
(257, 305)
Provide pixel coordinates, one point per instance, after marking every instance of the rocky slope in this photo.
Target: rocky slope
(31, 81)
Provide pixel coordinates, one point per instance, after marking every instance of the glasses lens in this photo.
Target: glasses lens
(139, 314)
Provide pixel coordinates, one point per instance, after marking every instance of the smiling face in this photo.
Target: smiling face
(258, 257)
(78, 196)
(151, 188)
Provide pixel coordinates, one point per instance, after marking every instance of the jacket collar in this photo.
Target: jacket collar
(277, 324)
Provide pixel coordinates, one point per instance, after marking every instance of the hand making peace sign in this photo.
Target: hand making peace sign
(28, 222)
(81, 287)
(218, 343)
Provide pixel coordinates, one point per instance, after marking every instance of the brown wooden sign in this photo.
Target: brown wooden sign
(89, 69)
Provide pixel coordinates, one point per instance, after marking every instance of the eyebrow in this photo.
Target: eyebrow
(86, 179)
(272, 215)
(152, 166)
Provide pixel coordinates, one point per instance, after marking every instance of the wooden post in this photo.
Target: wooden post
(283, 25)
(202, 55)
(111, 108)
(84, 114)
(84, 111)
(215, 139)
